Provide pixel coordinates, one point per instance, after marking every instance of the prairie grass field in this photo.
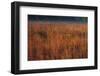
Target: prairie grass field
(57, 40)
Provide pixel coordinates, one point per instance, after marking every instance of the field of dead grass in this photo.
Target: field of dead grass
(51, 41)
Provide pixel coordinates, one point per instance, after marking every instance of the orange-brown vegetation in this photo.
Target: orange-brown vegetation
(51, 41)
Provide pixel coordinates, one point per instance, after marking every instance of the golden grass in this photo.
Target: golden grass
(51, 41)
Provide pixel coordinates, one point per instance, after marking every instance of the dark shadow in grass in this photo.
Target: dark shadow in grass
(42, 34)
